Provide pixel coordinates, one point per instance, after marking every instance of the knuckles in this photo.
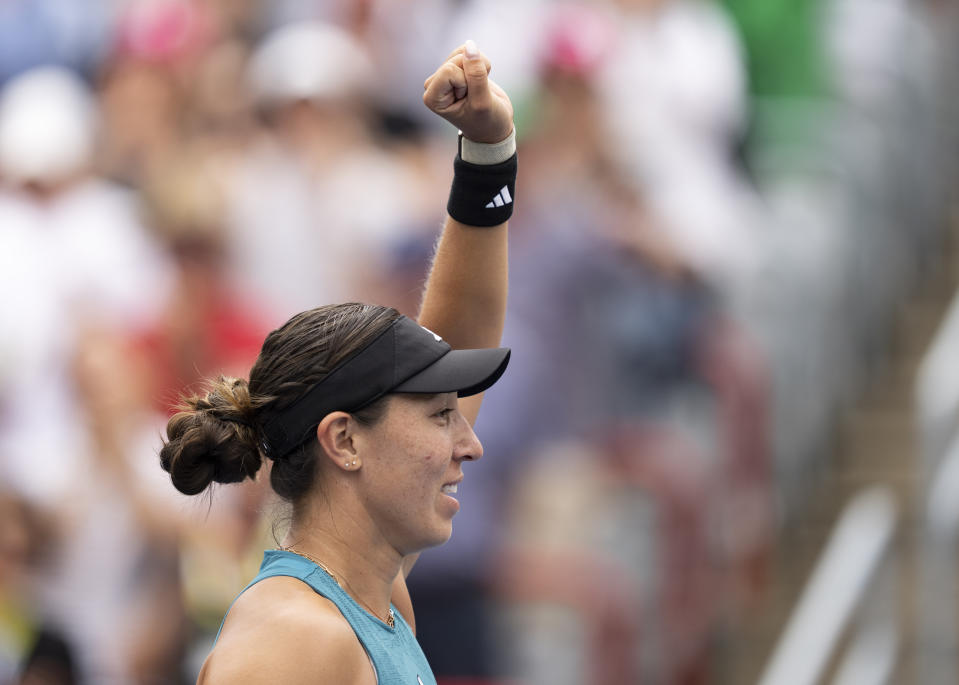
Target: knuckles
(446, 93)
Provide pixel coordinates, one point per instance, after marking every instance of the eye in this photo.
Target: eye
(444, 413)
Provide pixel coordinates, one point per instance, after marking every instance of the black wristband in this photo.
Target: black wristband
(482, 194)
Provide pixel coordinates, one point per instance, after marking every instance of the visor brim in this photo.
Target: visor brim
(465, 372)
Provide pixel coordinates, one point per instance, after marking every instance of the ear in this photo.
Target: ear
(336, 434)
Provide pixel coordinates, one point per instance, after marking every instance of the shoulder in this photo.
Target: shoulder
(280, 630)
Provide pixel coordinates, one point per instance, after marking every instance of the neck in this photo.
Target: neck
(364, 566)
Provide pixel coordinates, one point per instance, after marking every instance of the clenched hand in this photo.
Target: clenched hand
(461, 92)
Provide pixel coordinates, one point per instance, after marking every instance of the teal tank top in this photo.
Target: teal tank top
(396, 655)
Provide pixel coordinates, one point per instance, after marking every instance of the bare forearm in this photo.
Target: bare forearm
(465, 298)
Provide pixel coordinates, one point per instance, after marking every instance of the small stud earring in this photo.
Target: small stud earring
(346, 464)
(354, 462)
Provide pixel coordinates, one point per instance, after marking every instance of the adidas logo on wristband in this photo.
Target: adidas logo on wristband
(501, 198)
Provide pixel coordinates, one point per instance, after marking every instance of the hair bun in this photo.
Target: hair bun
(212, 439)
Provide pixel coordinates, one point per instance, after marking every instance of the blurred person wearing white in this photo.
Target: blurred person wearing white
(112, 583)
(74, 252)
(391, 34)
(317, 203)
(75, 262)
(674, 84)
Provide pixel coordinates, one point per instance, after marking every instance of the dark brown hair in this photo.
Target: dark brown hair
(214, 437)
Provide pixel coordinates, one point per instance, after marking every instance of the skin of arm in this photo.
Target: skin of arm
(465, 299)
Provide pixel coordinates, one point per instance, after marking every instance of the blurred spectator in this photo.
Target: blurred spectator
(607, 540)
(673, 91)
(79, 264)
(122, 512)
(47, 121)
(390, 34)
(317, 200)
(75, 255)
(30, 649)
(144, 86)
(208, 325)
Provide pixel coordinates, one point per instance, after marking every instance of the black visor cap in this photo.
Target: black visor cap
(465, 372)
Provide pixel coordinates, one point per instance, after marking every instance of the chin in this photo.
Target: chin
(437, 538)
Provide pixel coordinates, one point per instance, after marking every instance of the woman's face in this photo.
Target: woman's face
(411, 467)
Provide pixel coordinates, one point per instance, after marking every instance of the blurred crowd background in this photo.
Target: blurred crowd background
(721, 206)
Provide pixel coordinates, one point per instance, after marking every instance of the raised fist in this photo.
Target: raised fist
(461, 92)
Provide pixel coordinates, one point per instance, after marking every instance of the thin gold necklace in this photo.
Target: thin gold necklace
(390, 618)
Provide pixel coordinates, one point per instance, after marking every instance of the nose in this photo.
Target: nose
(467, 446)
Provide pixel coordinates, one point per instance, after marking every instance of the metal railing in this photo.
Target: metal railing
(937, 407)
(851, 569)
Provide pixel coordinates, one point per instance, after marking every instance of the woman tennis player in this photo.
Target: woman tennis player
(365, 417)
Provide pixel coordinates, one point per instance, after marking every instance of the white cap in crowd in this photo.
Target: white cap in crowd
(309, 60)
(47, 125)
